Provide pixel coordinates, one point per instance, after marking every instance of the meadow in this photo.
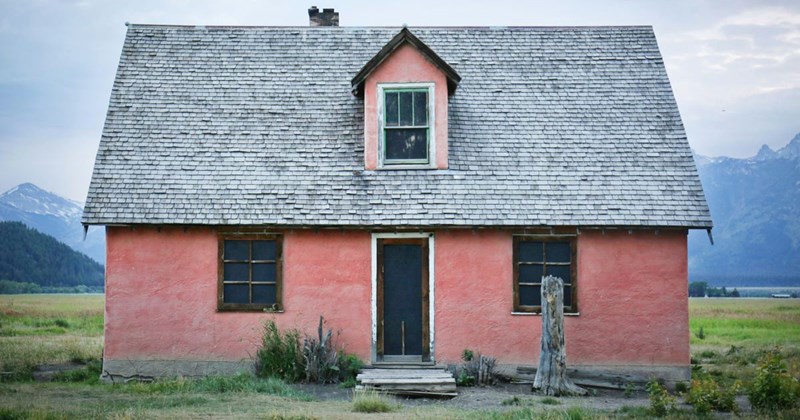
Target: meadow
(728, 336)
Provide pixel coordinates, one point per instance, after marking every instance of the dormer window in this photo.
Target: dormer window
(406, 124)
(403, 86)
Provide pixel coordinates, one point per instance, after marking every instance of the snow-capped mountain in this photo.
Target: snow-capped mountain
(755, 205)
(53, 215)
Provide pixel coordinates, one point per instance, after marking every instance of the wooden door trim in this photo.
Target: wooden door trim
(426, 240)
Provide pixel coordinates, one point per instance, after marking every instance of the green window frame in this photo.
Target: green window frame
(406, 125)
(538, 256)
(250, 272)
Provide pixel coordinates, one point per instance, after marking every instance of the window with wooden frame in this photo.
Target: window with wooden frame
(536, 257)
(249, 272)
(406, 124)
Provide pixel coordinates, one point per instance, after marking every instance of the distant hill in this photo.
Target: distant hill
(755, 205)
(54, 215)
(29, 256)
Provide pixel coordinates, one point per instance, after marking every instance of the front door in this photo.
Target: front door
(402, 300)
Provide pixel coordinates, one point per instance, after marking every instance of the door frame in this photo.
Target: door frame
(431, 282)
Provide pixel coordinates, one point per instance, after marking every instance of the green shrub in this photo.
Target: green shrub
(773, 388)
(660, 401)
(349, 367)
(368, 401)
(681, 388)
(477, 369)
(280, 355)
(706, 395)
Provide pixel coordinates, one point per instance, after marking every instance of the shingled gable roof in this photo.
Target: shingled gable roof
(258, 126)
(405, 37)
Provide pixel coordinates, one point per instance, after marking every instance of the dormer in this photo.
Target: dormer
(405, 88)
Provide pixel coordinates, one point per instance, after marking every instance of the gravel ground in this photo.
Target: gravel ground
(492, 398)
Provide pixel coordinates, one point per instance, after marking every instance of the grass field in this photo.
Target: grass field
(52, 329)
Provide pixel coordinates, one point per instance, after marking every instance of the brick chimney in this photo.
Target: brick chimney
(327, 18)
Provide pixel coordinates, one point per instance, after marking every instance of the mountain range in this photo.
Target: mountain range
(755, 206)
(52, 215)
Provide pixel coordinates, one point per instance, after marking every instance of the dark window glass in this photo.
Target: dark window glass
(264, 250)
(558, 252)
(237, 272)
(237, 250)
(420, 108)
(392, 109)
(530, 273)
(530, 295)
(562, 271)
(531, 251)
(249, 270)
(407, 144)
(406, 109)
(264, 272)
(538, 258)
(237, 293)
(264, 293)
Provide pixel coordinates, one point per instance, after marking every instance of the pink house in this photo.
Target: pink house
(412, 186)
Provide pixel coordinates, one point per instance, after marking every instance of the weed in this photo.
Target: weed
(349, 367)
(660, 401)
(61, 322)
(89, 374)
(773, 388)
(348, 383)
(700, 334)
(321, 356)
(477, 369)
(550, 401)
(241, 383)
(629, 388)
(681, 387)
(369, 401)
(515, 400)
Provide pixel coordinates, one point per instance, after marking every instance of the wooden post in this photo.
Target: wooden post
(551, 376)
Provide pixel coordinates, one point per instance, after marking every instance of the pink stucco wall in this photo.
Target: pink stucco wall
(161, 288)
(405, 65)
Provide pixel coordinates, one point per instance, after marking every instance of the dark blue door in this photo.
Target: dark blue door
(403, 285)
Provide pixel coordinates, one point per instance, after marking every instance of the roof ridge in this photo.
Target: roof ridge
(397, 27)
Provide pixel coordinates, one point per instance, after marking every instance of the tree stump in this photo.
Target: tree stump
(551, 376)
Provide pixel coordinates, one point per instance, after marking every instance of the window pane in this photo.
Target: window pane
(530, 273)
(391, 109)
(236, 272)
(567, 296)
(407, 144)
(558, 252)
(264, 293)
(236, 293)
(563, 271)
(264, 250)
(264, 272)
(420, 108)
(530, 251)
(406, 113)
(530, 295)
(237, 250)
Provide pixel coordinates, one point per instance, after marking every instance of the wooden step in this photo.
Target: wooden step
(436, 382)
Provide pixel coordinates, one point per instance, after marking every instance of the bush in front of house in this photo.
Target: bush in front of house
(318, 359)
(661, 402)
(477, 369)
(773, 388)
(705, 395)
(280, 355)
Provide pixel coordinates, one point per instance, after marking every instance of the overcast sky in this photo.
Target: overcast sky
(734, 65)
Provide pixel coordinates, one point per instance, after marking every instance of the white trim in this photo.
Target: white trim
(431, 288)
(431, 86)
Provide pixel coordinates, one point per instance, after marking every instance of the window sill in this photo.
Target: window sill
(405, 166)
(262, 310)
(540, 314)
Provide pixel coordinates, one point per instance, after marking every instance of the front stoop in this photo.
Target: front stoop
(408, 381)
